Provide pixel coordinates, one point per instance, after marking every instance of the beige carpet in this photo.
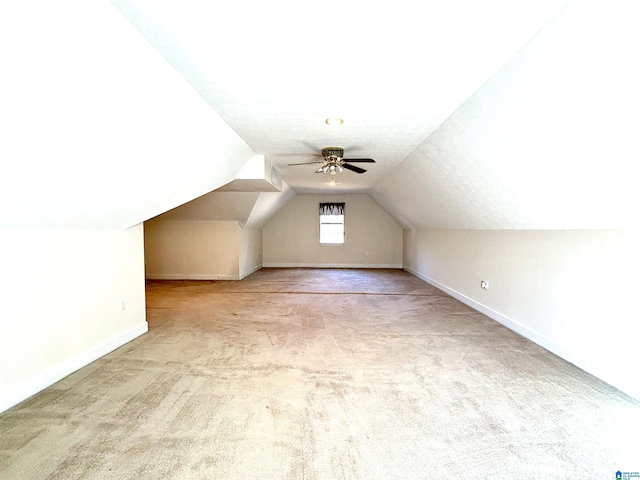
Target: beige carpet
(321, 374)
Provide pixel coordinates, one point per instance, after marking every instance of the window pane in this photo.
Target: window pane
(332, 229)
(339, 219)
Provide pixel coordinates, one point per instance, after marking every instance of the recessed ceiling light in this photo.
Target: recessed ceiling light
(334, 121)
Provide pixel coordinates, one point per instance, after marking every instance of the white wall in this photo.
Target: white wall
(372, 238)
(573, 292)
(201, 250)
(61, 302)
(250, 251)
(99, 134)
(187, 249)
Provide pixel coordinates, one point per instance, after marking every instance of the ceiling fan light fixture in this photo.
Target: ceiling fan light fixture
(333, 121)
(334, 163)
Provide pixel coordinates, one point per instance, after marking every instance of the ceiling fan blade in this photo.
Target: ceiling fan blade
(304, 163)
(353, 168)
(361, 160)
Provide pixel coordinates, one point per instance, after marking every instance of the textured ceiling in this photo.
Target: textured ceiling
(493, 114)
(394, 71)
(549, 142)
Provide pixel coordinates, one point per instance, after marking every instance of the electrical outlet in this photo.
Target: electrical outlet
(484, 285)
(123, 305)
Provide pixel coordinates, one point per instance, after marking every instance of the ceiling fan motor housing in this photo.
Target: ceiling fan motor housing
(333, 152)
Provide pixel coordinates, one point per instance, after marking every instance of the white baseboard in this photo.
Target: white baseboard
(55, 373)
(331, 265)
(533, 335)
(508, 322)
(253, 270)
(187, 276)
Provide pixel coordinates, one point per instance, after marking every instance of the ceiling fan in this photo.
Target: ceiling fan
(334, 162)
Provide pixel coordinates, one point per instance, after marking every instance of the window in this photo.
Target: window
(332, 223)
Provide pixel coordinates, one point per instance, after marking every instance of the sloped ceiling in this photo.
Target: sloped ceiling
(249, 208)
(494, 114)
(549, 142)
(479, 114)
(394, 72)
(98, 130)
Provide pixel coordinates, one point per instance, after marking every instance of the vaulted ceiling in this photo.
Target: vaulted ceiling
(496, 114)
(276, 70)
